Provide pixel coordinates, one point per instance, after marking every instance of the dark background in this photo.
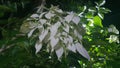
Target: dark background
(114, 16)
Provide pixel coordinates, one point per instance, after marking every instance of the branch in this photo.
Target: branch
(6, 48)
(40, 9)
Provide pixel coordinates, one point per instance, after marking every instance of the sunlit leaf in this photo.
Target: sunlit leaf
(59, 52)
(47, 38)
(59, 10)
(49, 15)
(42, 21)
(72, 48)
(113, 29)
(41, 15)
(97, 21)
(77, 34)
(113, 38)
(89, 14)
(54, 41)
(65, 40)
(80, 36)
(69, 17)
(82, 50)
(101, 2)
(54, 28)
(34, 16)
(66, 28)
(76, 19)
(101, 15)
(70, 39)
(31, 32)
(38, 46)
(43, 34)
(91, 22)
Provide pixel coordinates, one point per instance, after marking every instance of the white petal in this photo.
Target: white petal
(49, 15)
(82, 50)
(38, 47)
(76, 19)
(31, 32)
(59, 52)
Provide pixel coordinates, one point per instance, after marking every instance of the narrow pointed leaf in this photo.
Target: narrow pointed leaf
(54, 28)
(59, 52)
(49, 15)
(43, 34)
(31, 32)
(38, 47)
(66, 28)
(54, 41)
(82, 50)
(68, 18)
(34, 16)
(72, 48)
(42, 21)
(76, 19)
(41, 15)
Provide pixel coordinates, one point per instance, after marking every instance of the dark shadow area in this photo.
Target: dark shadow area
(114, 16)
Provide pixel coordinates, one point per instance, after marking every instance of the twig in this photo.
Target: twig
(40, 9)
(2, 49)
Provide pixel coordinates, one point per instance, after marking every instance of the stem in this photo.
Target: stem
(40, 9)
(6, 48)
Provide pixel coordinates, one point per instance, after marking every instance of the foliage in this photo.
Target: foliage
(57, 31)
(101, 51)
(35, 47)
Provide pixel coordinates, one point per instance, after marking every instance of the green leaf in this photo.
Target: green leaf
(101, 15)
(89, 14)
(5, 8)
(103, 10)
(100, 2)
(97, 21)
(1, 14)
